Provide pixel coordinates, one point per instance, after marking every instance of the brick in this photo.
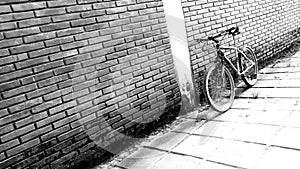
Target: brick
(116, 10)
(73, 45)
(23, 147)
(59, 41)
(87, 35)
(21, 32)
(34, 22)
(15, 74)
(55, 26)
(59, 3)
(79, 8)
(39, 37)
(16, 16)
(104, 5)
(36, 133)
(17, 133)
(8, 145)
(128, 58)
(4, 112)
(78, 58)
(28, 6)
(93, 61)
(70, 31)
(19, 90)
(50, 12)
(100, 39)
(69, 134)
(62, 55)
(91, 48)
(44, 75)
(97, 26)
(105, 111)
(55, 133)
(48, 66)
(66, 120)
(51, 119)
(32, 62)
(62, 107)
(113, 43)
(26, 48)
(75, 94)
(31, 119)
(110, 31)
(41, 92)
(106, 18)
(50, 81)
(66, 17)
(7, 69)
(125, 3)
(137, 7)
(9, 85)
(5, 9)
(93, 13)
(119, 22)
(6, 129)
(8, 26)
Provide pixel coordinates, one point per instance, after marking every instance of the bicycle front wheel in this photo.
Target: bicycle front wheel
(219, 88)
(250, 76)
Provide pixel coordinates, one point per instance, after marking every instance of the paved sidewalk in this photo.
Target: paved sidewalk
(261, 131)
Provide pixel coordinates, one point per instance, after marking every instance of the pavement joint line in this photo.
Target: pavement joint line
(229, 165)
(230, 139)
(285, 147)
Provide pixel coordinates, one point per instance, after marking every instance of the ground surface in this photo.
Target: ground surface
(262, 130)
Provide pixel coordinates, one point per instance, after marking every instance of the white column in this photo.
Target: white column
(180, 51)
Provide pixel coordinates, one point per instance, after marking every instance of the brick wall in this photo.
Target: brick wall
(76, 73)
(266, 25)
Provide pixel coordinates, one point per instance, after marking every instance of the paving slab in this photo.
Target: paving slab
(293, 120)
(237, 153)
(266, 104)
(198, 146)
(272, 76)
(273, 117)
(216, 129)
(288, 137)
(271, 93)
(286, 64)
(142, 159)
(256, 133)
(167, 141)
(271, 70)
(187, 126)
(174, 161)
(279, 158)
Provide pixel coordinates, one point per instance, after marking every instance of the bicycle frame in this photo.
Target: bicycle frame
(236, 68)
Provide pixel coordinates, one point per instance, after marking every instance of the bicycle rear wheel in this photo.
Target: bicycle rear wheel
(250, 77)
(219, 88)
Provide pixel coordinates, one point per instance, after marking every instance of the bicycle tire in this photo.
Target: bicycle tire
(210, 81)
(250, 78)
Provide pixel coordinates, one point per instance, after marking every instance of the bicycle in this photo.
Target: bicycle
(219, 87)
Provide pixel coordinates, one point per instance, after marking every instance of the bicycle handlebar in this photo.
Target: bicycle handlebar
(232, 31)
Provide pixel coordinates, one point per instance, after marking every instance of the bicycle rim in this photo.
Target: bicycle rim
(250, 77)
(219, 89)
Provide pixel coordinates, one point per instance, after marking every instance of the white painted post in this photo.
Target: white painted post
(179, 46)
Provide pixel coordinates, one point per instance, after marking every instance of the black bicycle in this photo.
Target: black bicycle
(218, 81)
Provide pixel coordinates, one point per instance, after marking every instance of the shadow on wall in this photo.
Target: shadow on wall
(123, 114)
